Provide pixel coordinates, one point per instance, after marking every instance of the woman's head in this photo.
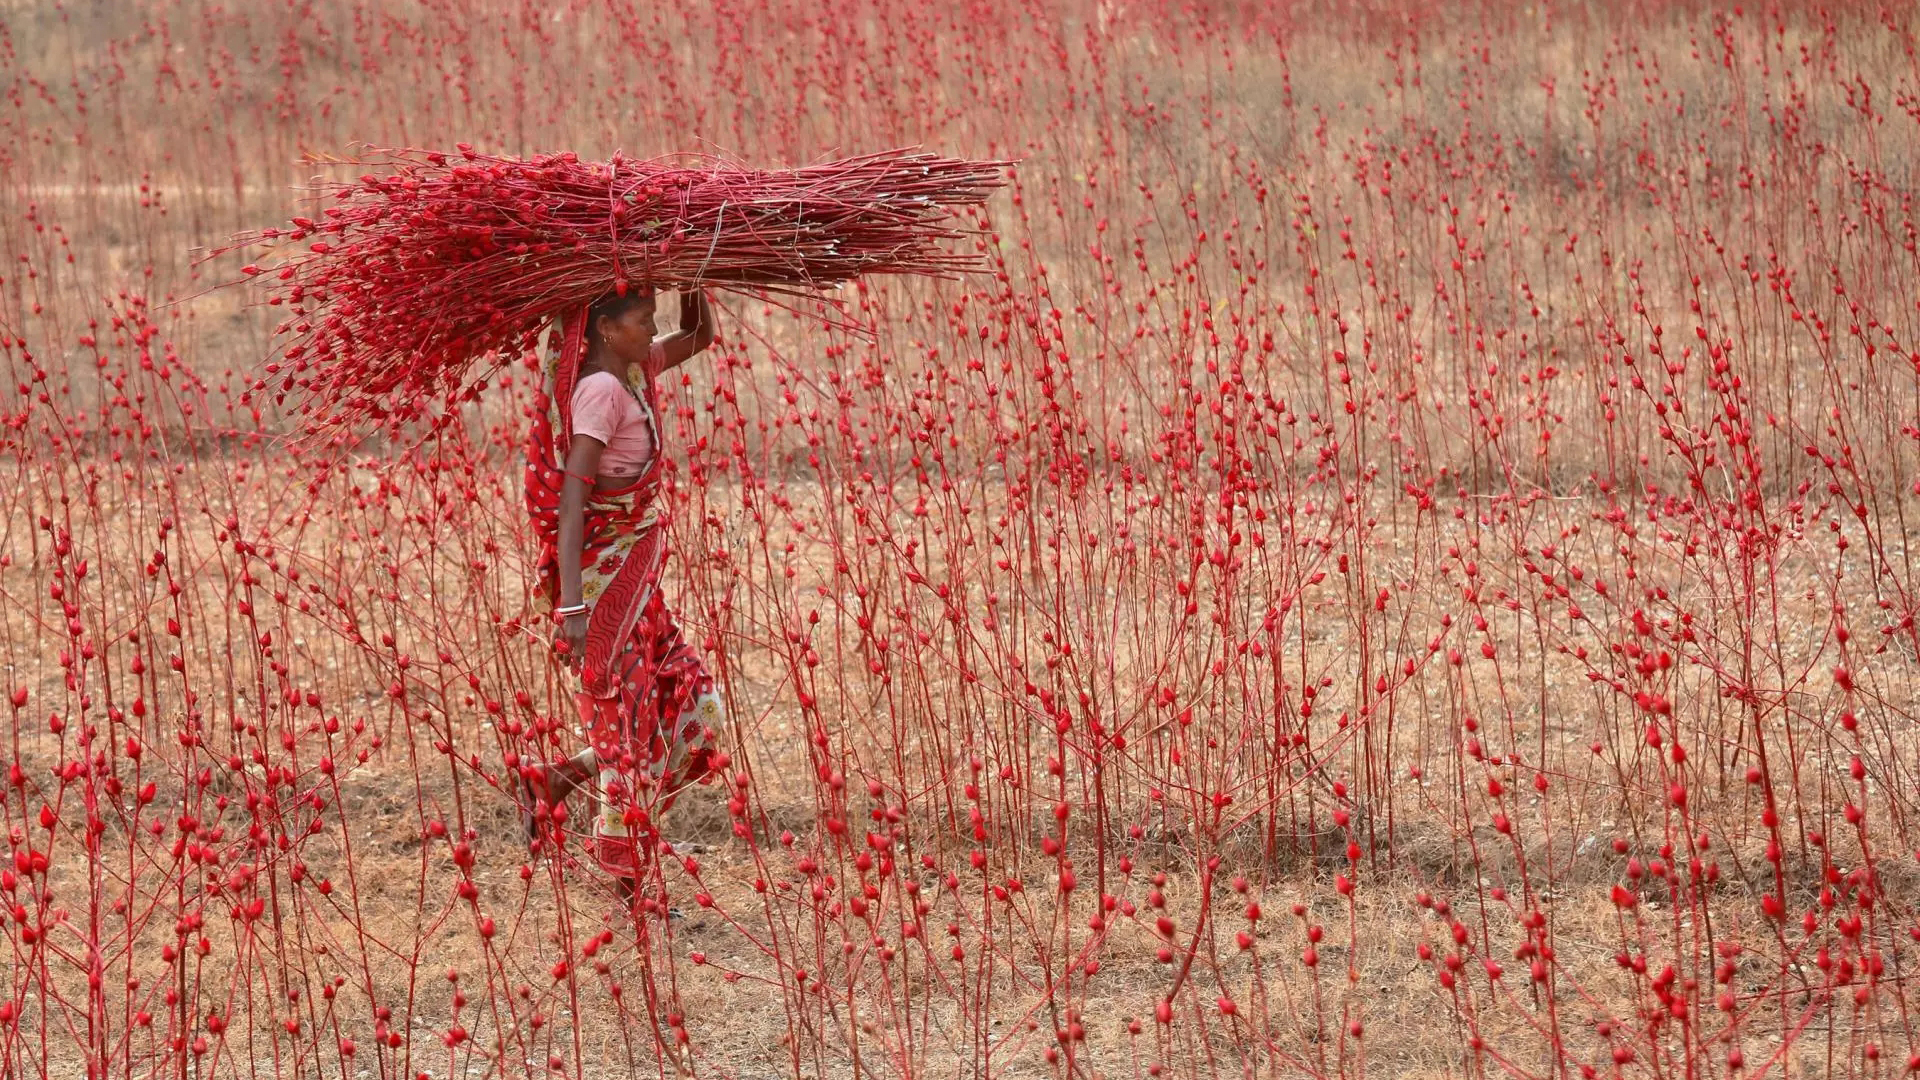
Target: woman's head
(622, 324)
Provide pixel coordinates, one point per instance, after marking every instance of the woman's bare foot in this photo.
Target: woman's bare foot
(549, 786)
(534, 793)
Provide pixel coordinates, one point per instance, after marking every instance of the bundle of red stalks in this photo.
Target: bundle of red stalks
(440, 259)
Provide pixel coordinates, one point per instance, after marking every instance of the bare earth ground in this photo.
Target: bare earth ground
(396, 922)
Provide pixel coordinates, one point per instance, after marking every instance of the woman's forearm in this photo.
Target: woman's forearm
(583, 463)
(703, 328)
(696, 320)
(572, 526)
(693, 336)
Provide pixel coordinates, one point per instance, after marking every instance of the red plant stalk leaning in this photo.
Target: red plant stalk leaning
(414, 272)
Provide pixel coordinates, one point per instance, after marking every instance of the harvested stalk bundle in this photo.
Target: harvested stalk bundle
(415, 272)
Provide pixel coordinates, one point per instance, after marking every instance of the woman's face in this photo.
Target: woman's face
(629, 335)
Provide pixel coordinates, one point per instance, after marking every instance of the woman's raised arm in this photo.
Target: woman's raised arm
(693, 337)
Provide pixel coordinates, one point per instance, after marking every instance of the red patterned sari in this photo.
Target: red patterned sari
(646, 701)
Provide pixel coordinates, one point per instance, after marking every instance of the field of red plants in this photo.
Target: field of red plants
(1404, 567)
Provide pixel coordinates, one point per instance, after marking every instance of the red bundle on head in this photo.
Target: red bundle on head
(414, 273)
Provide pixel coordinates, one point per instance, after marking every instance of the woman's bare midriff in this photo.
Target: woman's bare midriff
(614, 483)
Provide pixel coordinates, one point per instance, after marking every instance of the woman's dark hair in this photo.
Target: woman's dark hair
(615, 304)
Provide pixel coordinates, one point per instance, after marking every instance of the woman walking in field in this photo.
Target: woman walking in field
(594, 469)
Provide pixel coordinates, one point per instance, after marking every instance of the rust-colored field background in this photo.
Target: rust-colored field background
(1403, 568)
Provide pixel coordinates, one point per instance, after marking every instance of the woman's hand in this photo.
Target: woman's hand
(570, 639)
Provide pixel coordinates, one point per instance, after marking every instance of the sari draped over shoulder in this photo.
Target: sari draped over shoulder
(646, 702)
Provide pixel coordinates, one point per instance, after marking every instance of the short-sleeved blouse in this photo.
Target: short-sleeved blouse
(606, 411)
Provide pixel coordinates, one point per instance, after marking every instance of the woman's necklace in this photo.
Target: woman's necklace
(590, 366)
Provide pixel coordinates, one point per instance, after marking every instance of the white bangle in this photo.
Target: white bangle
(576, 609)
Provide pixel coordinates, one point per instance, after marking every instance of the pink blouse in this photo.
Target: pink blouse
(606, 411)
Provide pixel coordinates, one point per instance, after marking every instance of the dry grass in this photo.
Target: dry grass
(810, 459)
(394, 921)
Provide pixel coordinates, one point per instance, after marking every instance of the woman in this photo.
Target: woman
(647, 703)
